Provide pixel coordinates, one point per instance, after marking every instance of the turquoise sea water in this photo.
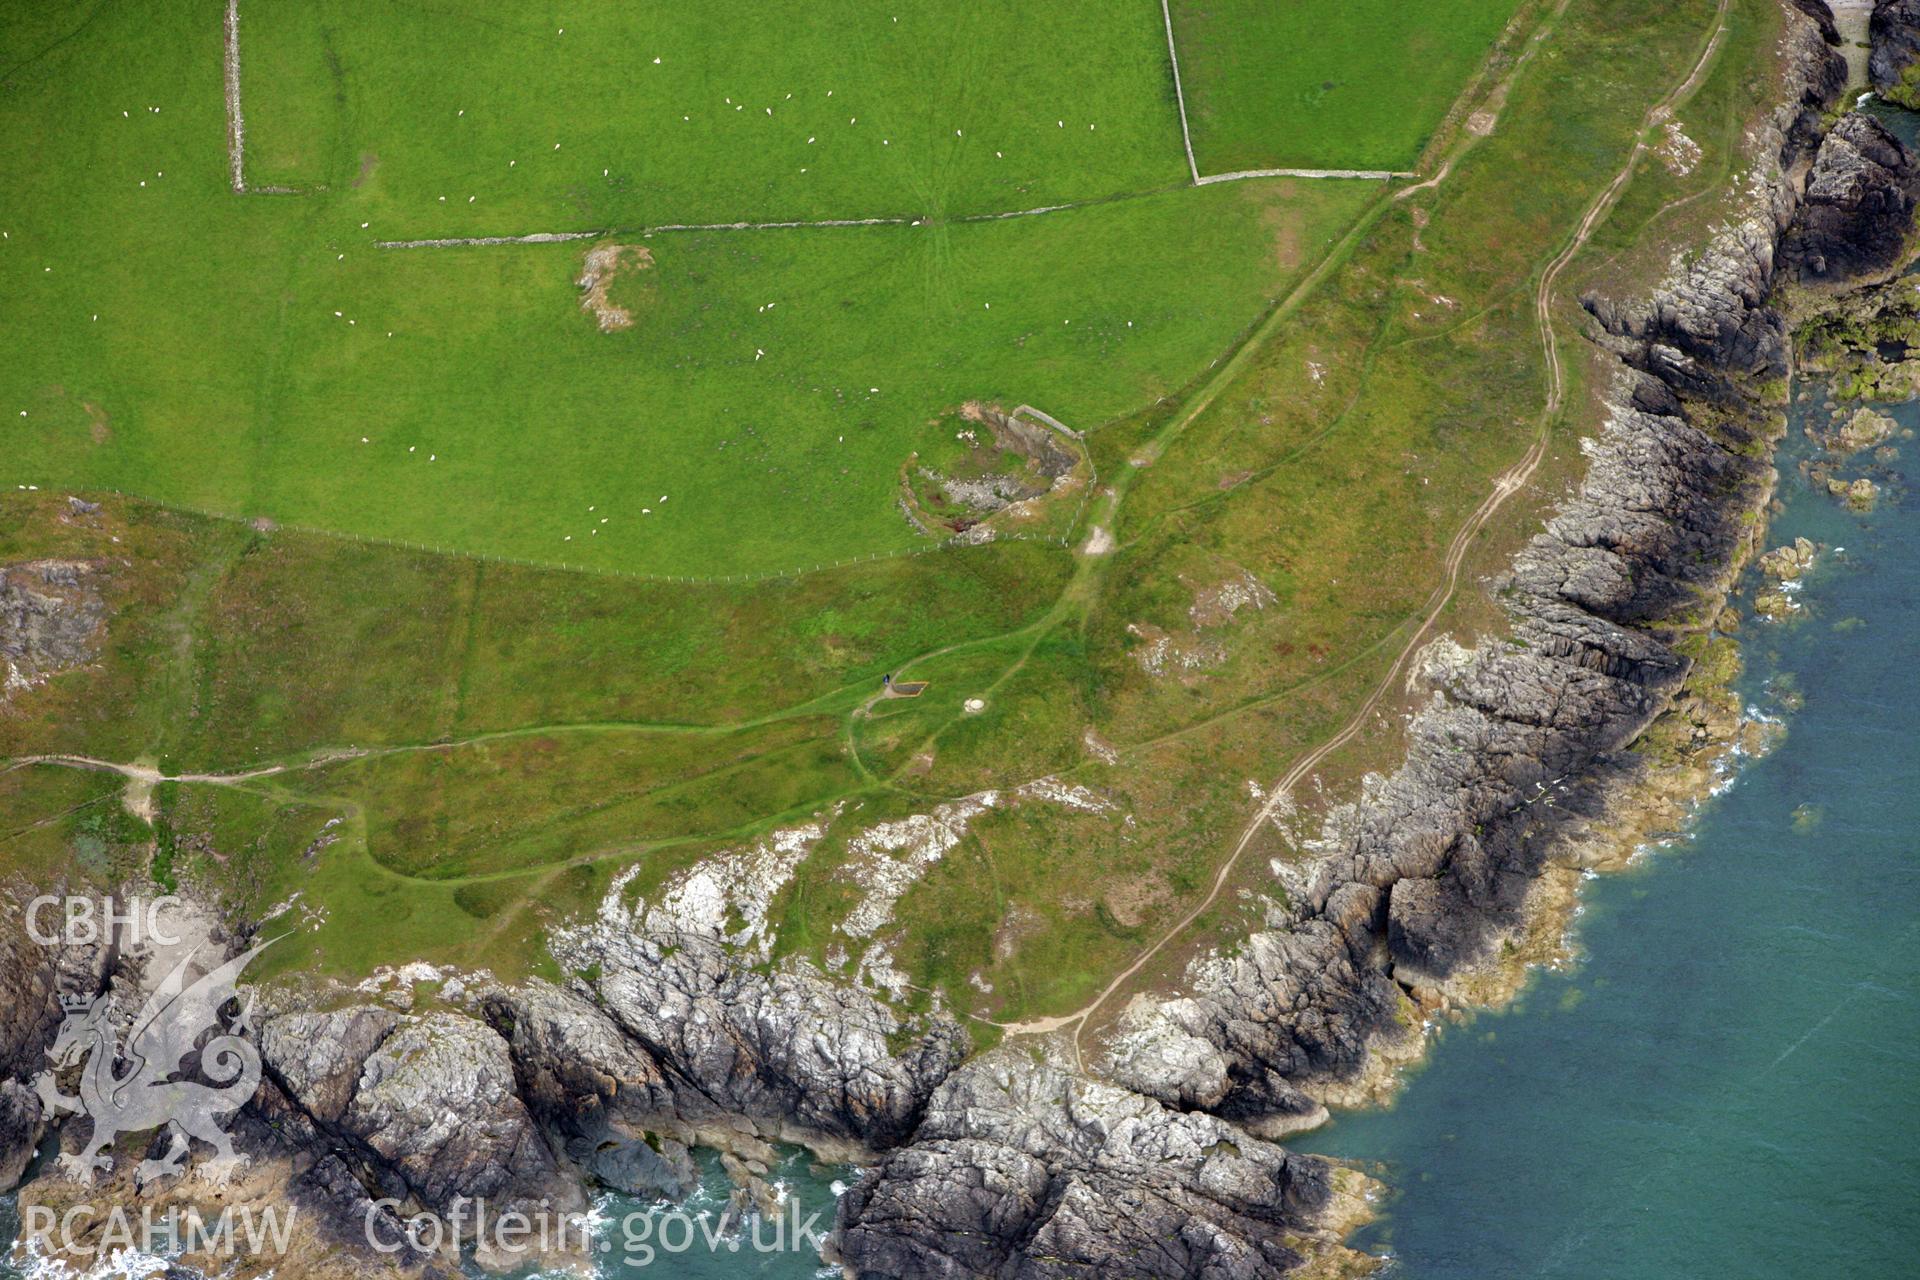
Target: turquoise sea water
(640, 1240)
(1727, 1083)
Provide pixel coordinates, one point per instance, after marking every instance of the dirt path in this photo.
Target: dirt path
(1504, 487)
(1482, 122)
(142, 779)
(148, 776)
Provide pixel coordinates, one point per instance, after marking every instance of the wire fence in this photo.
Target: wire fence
(236, 159)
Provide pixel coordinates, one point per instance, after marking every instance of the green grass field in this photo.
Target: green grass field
(1356, 85)
(522, 733)
(257, 356)
(556, 117)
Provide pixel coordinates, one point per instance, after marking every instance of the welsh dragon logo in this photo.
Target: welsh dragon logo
(130, 1087)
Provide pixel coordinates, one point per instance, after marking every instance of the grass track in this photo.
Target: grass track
(1506, 485)
(302, 643)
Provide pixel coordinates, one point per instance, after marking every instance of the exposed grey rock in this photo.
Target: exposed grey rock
(1156, 1055)
(369, 1105)
(1430, 871)
(1894, 33)
(437, 1102)
(1008, 1167)
(1700, 330)
(50, 617)
(1021, 1170)
(598, 1090)
(21, 1126)
(433, 1099)
(29, 990)
(644, 1167)
(318, 1058)
(33, 977)
(1816, 73)
(335, 1183)
(1822, 17)
(1857, 216)
(790, 1050)
(1441, 854)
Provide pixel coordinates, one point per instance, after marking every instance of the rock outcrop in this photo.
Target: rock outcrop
(1523, 742)
(787, 1051)
(598, 1091)
(1429, 873)
(428, 1107)
(1005, 1165)
(1022, 1170)
(1894, 33)
(1857, 216)
(21, 1125)
(1822, 17)
(50, 617)
(33, 977)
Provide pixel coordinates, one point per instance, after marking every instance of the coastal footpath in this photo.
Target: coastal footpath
(1164, 1159)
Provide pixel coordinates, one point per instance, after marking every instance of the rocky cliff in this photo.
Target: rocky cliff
(1856, 215)
(1004, 1165)
(1524, 742)
(1018, 1169)
(1894, 32)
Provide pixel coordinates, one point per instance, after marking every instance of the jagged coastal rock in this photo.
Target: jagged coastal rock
(1021, 1169)
(431, 1101)
(1434, 865)
(1857, 215)
(1790, 562)
(785, 1054)
(32, 978)
(1866, 429)
(1894, 31)
(1436, 862)
(1005, 1164)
